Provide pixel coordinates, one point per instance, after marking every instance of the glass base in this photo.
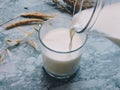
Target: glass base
(62, 76)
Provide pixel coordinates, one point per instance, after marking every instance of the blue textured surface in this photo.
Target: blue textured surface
(99, 67)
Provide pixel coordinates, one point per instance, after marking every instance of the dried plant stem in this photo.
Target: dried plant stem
(12, 43)
(23, 22)
(2, 58)
(37, 28)
(8, 52)
(36, 15)
(86, 4)
(9, 20)
(32, 43)
(62, 6)
(28, 34)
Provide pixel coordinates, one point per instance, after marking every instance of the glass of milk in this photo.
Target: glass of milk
(58, 60)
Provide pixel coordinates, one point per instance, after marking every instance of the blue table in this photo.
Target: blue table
(99, 66)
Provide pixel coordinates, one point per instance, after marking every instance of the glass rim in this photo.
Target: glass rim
(56, 51)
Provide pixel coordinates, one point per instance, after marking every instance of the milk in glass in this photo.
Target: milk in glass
(60, 60)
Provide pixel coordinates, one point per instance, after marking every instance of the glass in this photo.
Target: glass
(63, 64)
(57, 63)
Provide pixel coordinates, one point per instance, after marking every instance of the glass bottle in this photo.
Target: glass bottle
(104, 16)
(82, 21)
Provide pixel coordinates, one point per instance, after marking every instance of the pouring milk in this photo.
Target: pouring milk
(107, 23)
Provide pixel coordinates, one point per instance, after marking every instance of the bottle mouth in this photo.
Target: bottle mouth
(88, 16)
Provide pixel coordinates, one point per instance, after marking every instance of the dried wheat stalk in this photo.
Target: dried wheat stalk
(36, 15)
(62, 6)
(87, 3)
(8, 52)
(2, 56)
(32, 43)
(23, 22)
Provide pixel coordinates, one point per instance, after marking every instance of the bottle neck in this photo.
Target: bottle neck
(86, 18)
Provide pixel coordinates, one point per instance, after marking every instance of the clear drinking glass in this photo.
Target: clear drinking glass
(60, 64)
(63, 64)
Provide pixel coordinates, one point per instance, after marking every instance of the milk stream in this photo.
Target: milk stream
(72, 33)
(63, 40)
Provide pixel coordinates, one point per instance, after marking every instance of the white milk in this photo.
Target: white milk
(61, 64)
(107, 23)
